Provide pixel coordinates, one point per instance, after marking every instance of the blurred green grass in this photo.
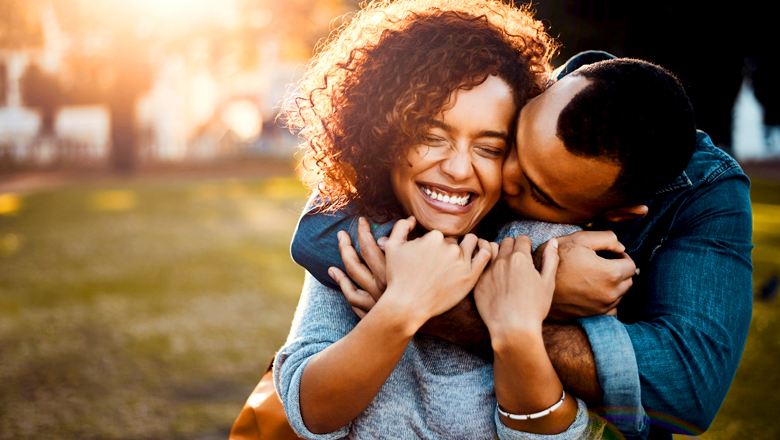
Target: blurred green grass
(149, 309)
(142, 310)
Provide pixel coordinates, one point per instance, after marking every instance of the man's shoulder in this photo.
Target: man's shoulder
(709, 163)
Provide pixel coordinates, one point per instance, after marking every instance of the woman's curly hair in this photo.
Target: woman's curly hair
(374, 86)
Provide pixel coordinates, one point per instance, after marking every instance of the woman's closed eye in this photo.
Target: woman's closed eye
(490, 151)
(436, 141)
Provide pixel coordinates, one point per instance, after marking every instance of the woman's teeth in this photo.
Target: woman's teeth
(446, 198)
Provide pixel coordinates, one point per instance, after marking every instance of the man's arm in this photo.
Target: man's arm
(689, 313)
(571, 355)
(315, 244)
(586, 284)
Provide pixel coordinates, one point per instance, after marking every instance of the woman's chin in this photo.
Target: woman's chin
(448, 227)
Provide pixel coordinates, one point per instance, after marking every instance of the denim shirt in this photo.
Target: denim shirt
(671, 356)
(666, 363)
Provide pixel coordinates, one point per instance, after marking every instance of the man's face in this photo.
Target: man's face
(544, 181)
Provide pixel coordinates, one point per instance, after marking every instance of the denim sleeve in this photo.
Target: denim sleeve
(315, 244)
(683, 356)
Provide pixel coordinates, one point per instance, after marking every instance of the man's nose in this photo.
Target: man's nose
(511, 175)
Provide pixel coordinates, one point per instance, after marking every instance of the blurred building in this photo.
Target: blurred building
(86, 82)
(64, 100)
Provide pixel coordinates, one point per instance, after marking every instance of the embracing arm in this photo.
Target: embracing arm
(678, 357)
(586, 284)
(315, 244)
(332, 389)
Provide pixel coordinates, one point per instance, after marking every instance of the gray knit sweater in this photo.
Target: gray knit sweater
(437, 391)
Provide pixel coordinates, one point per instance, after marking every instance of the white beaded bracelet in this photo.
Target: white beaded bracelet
(534, 415)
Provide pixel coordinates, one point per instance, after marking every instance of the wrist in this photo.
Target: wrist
(399, 314)
(510, 339)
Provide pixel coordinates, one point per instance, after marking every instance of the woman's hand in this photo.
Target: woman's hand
(431, 274)
(514, 299)
(511, 294)
(370, 280)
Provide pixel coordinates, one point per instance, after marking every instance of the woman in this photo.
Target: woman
(409, 110)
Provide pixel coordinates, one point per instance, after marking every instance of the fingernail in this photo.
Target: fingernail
(332, 273)
(381, 241)
(554, 243)
(340, 235)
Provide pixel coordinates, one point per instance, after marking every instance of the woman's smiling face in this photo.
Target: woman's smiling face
(450, 183)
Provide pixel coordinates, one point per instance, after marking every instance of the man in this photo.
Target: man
(666, 364)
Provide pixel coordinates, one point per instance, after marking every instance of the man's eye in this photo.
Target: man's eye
(537, 199)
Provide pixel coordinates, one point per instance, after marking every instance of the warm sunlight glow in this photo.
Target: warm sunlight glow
(243, 117)
(9, 203)
(197, 9)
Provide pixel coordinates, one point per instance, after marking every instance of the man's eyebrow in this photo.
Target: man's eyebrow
(543, 194)
(504, 136)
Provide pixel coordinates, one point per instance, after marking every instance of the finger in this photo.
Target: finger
(550, 261)
(381, 241)
(600, 241)
(402, 229)
(355, 297)
(615, 303)
(358, 271)
(523, 244)
(623, 287)
(494, 247)
(469, 244)
(506, 247)
(482, 257)
(624, 266)
(450, 239)
(371, 253)
(612, 312)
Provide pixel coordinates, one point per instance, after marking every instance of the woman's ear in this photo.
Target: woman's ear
(618, 215)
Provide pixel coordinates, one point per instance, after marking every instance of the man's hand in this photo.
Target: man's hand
(587, 284)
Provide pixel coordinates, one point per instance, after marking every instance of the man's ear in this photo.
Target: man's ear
(618, 215)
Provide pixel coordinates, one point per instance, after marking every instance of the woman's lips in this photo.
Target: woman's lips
(446, 200)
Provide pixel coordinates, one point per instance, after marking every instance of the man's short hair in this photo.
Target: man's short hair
(635, 114)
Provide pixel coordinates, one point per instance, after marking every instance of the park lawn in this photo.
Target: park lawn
(142, 310)
(148, 309)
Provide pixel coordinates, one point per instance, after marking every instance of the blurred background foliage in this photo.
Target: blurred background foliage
(148, 197)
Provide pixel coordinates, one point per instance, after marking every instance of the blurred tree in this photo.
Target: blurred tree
(20, 26)
(43, 91)
(115, 46)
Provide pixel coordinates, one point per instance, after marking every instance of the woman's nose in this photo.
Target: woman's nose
(457, 165)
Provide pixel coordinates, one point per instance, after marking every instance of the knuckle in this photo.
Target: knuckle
(436, 234)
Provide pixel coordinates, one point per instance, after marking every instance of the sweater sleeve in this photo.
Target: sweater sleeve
(539, 232)
(323, 317)
(584, 427)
